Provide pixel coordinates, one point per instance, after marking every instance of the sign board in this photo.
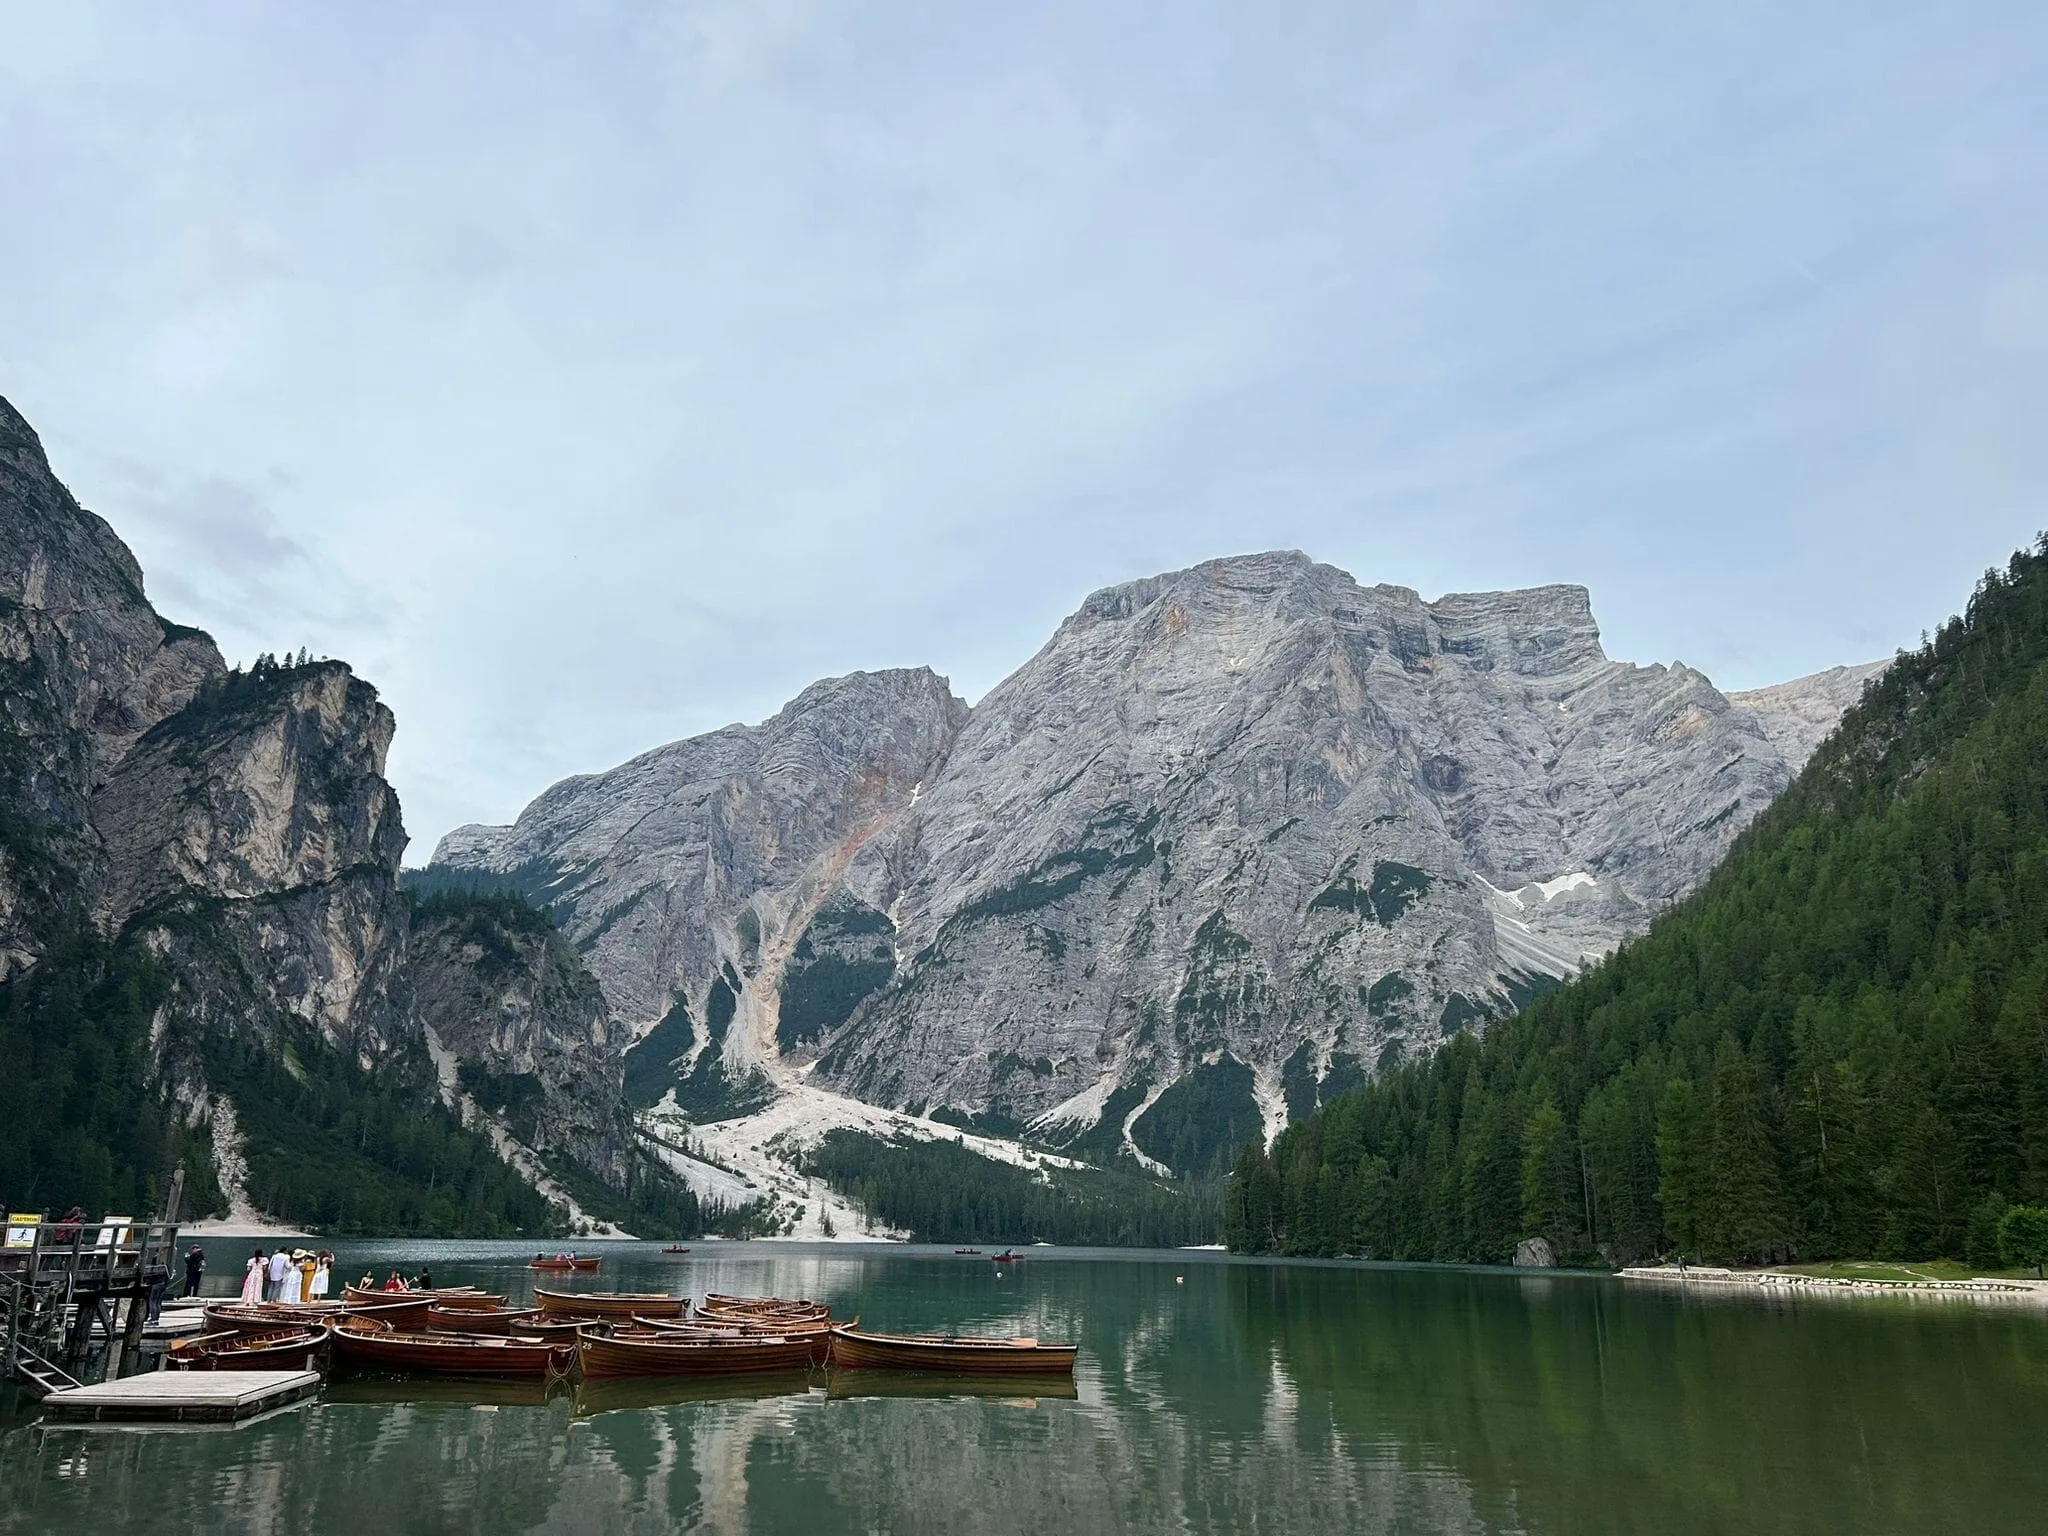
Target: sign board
(114, 1231)
(21, 1229)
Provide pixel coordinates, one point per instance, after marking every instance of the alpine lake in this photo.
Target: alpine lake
(1213, 1395)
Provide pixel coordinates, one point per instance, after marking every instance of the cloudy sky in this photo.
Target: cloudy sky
(592, 374)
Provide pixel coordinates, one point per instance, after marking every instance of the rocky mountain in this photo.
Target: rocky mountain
(1798, 716)
(214, 854)
(1238, 837)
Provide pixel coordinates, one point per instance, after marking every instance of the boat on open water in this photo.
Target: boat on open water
(853, 1349)
(633, 1353)
(565, 1265)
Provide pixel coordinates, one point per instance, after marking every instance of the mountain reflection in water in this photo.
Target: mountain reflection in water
(1251, 1396)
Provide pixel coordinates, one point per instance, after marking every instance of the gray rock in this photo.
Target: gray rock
(1798, 716)
(1534, 1253)
(86, 666)
(240, 826)
(1235, 839)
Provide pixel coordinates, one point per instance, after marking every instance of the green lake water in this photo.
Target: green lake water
(1213, 1395)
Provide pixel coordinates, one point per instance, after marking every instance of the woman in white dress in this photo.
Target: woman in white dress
(294, 1284)
(320, 1274)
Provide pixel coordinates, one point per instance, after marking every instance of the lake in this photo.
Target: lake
(1213, 1395)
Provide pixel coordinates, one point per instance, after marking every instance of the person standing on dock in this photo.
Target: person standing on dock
(195, 1267)
(252, 1277)
(323, 1274)
(280, 1265)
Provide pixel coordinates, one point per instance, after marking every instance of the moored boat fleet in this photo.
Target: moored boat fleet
(460, 1332)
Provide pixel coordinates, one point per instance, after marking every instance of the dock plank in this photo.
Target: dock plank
(183, 1396)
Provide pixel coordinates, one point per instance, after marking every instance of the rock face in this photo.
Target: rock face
(238, 825)
(697, 853)
(504, 994)
(86, 666)
(1235, 839)
(1798, 716)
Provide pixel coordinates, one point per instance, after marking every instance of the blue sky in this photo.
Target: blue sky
(594, 374)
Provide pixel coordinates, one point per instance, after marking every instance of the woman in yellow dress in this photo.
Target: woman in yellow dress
(307, 1264)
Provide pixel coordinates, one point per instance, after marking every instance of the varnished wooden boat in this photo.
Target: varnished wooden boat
(673, 1249)
(818, 1332)
(467, 1301)
(475, 1320)
(657, 1354)
(252, 1316)
(552, 1331)
(858, 1351)
(402, 1312)
(774, 1310)
(366, 1344)
(566, 1266)
(715, 1301)
(375, 1296)
(620, 1304)
(269, 1349)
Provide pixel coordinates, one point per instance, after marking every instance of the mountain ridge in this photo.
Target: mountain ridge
(1164, 730)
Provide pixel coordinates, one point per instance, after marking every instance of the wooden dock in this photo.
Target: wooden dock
(182, 1397)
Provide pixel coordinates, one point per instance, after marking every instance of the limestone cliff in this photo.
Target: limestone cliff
(236, 828)
(1236, 838)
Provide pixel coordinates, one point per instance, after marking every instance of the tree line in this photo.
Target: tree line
(941, 1192)
(1838, 1046)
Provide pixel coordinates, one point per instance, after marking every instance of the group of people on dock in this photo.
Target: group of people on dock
(295, 1275)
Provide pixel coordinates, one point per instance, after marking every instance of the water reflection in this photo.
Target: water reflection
(1251, 1397)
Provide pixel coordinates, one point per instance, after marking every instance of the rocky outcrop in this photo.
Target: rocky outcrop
(1236, 838)
(1798, 716)
(236, 828)
(86, 666)
(505, 994)
(696, 853)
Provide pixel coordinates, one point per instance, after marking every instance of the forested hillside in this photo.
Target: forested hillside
(1837, 1046)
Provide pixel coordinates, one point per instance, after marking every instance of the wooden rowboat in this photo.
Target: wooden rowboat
(467, 1301)
(376, 1296)
(854, 1350)
(471, 1320)
(620, 1304)
(819, 1333)
(717, 1301)
(366, 1344)
(252, 1316)
(673, 1248)
(654, 1354)
(566, 1266)
(271, 1349)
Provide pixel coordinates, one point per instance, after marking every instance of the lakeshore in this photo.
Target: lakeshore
(1985, 1289)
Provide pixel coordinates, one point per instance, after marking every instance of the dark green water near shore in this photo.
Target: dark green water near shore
(1244, 1397)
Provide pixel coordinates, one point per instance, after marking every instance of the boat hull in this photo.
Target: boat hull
(285, 1349)
(442, 1354)
(664, 1355)
(857, 1351)
(616, 1304)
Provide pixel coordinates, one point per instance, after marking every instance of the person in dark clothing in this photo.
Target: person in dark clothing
(195, 1267)
(425, 1281)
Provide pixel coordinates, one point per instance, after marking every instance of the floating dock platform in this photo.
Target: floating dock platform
(182, 1397)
